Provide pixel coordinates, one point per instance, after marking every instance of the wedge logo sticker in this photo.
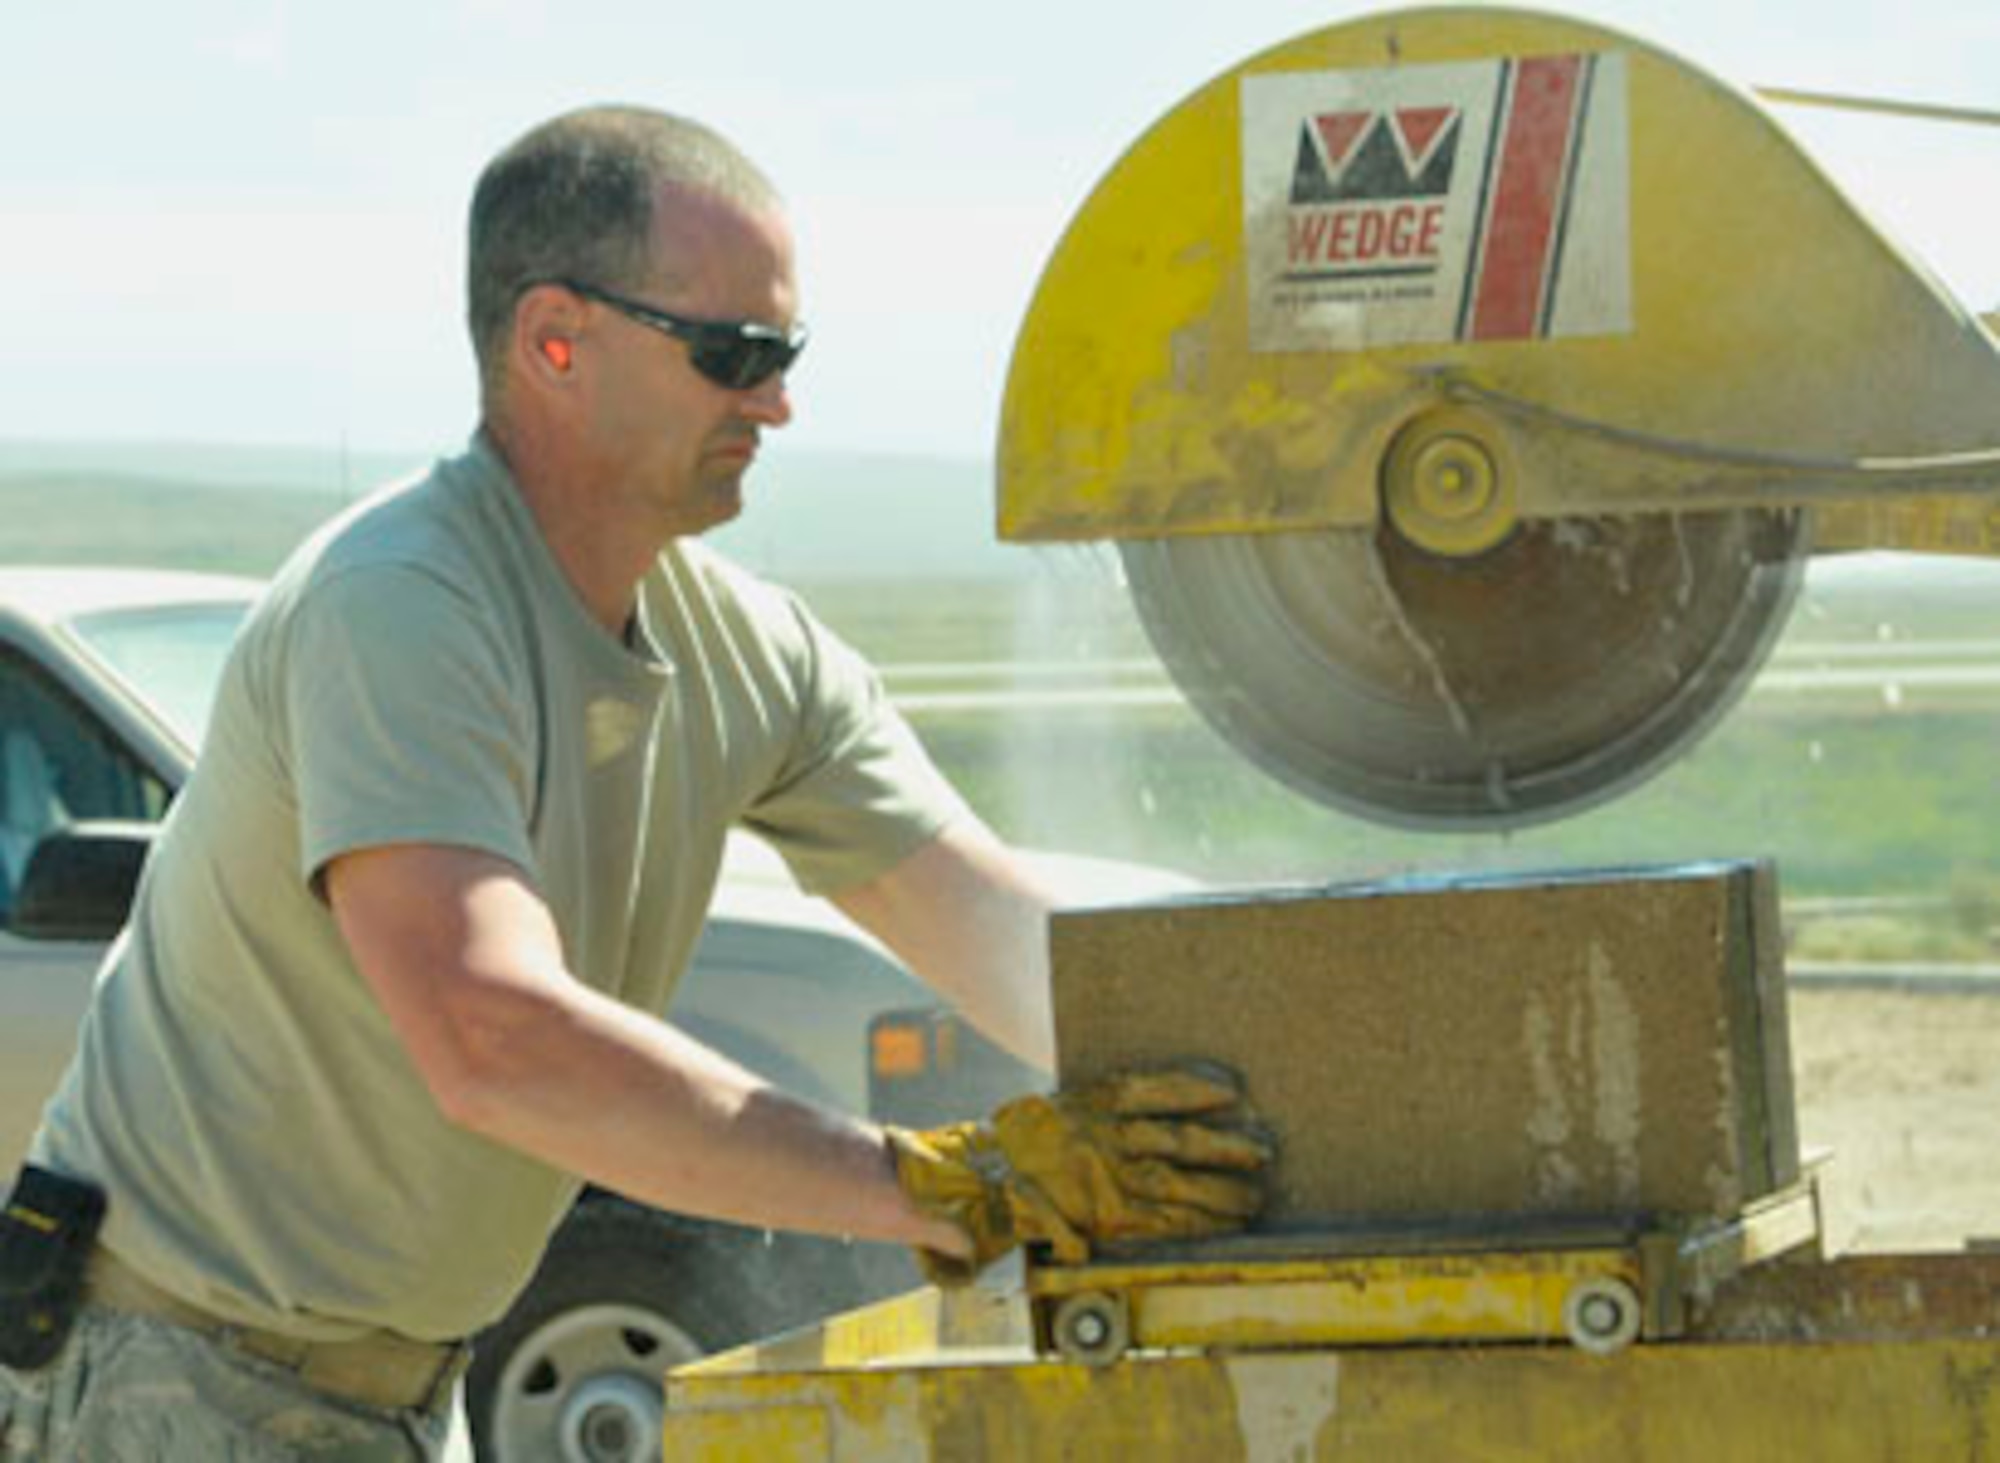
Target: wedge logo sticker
(1484, 200)
(1346, 156)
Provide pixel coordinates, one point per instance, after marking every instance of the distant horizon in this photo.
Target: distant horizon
(13, 444)
(828, 512)
(811, 511)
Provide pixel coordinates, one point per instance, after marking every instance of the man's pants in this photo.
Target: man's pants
(131, 1389)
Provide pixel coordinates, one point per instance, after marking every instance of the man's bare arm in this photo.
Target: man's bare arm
(465, 959)
(969, 917)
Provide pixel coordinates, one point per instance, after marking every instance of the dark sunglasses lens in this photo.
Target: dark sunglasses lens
(740, 362)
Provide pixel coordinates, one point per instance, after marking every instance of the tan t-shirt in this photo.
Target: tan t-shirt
(422, 672)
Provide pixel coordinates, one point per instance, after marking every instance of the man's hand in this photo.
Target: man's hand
(1159, 1154)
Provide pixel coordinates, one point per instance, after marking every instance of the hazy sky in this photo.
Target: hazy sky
(240, 220)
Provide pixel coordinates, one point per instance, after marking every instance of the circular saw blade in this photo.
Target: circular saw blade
(1519, 686)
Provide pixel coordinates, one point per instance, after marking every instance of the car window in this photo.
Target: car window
(172, 656)
(58, 765)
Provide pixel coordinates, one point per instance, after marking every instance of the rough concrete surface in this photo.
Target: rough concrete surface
(1523, 1047)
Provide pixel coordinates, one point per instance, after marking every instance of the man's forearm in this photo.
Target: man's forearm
(637, 1106)
(970, 918)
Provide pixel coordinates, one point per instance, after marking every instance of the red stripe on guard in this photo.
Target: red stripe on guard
(1521, 225)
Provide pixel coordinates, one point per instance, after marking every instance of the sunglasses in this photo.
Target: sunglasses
(737, 355)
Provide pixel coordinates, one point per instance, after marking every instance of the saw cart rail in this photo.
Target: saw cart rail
(1598, 1289)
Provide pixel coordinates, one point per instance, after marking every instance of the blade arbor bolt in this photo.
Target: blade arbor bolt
(1454, 478)
(1446, 487)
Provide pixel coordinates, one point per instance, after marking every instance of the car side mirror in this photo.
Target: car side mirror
(80, 881)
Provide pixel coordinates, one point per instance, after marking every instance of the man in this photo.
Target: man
(391, 984)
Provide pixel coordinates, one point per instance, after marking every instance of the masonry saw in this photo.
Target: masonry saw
(1465, 391)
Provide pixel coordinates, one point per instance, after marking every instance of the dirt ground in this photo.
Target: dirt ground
(1904, 1088)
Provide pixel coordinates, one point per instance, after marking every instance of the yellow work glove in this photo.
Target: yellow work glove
(1157, 1154)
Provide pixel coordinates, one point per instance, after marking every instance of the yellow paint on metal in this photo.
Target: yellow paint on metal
(974, 1321)
(1434, 1262)
(1418, 1285)
(1516, 1307)
(772, 1434)
(1766, 314)
(1398, 1299)
(1734, 1403)
(1881, 106)
(1930, 525)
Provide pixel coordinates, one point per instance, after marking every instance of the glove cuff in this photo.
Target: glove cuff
(957, 1174)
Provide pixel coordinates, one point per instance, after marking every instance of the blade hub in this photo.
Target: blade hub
(1446, 487)
(1454, 479)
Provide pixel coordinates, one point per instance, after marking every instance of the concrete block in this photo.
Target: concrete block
(1608, 1044)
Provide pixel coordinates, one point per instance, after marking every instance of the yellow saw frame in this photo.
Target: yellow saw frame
(1647, 299)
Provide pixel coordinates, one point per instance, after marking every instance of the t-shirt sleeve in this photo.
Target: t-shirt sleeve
(857, 793)
(403, 725)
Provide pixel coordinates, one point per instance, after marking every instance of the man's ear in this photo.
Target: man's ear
(547, 321)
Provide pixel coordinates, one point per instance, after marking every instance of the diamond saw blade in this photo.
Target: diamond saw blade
(1492, 692)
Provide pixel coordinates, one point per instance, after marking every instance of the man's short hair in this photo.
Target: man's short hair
(574, 197)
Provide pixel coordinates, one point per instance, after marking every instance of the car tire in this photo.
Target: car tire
(572, 1374)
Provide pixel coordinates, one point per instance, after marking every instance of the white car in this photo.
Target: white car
(106, 677)
(104, 685)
